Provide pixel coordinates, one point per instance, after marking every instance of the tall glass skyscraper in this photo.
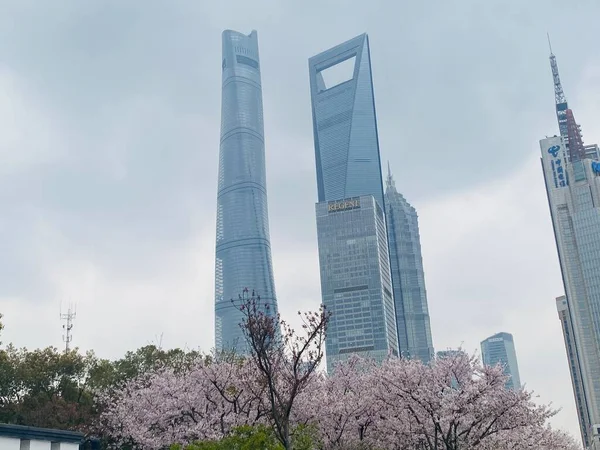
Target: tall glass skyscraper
(572, 177)
(583, 413)
(574, 196)
(344, 122)
(356, 285)
(408, 278)
(351, 228)
(500, 349)
(243, 250)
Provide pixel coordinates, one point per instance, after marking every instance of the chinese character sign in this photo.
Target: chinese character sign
(557, 164)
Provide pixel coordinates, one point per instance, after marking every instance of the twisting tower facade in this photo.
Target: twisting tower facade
(243, 249)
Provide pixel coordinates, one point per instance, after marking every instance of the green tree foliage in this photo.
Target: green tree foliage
(55, 389)
(107, 374)
(243, 438)
(255, 438)
(45, 388)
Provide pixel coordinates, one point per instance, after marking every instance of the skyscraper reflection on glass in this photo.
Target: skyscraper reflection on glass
(243, 250)
(351, 228)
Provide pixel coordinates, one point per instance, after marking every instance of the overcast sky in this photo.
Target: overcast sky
(109, 140)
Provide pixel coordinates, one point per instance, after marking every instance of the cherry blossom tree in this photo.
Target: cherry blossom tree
(285, 361)
(531, 438)
(342, 406)
(205, 402)
(453, 403)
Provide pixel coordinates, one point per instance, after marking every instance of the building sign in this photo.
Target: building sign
(558, 167)
(343, 205)
(498, 339)
(596, 167)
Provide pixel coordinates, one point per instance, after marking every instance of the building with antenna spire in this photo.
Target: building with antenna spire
(570, 131)
(408, 278)
(571, 174)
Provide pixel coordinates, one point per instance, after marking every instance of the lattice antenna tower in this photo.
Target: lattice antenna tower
(559, 97)
(569, 129)
(68, 318)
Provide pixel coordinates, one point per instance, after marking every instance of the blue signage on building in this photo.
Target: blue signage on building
(596, 167)
(554, 150)
(558, 170)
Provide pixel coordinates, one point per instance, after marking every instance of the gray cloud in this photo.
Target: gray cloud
(110, 117)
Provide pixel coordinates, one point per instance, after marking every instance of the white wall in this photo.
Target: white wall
(18, 444)
(9, 443)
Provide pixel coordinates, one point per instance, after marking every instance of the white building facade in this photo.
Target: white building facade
(573, 190)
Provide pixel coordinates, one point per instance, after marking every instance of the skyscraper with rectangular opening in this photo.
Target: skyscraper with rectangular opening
(243, 249)
(352, 235)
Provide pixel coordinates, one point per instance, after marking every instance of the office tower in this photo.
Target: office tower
(408, 279)
(583, 414)
(500, 349)
(450, 353)
(353, 249)
(571, 176)
(344, 122)
(243, 250)
(443, 354)
(355, 280)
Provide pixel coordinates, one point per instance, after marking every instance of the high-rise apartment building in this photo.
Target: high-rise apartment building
(352, 236)
(243, 250)
(571, 174)
(500, 349)
(408, 278)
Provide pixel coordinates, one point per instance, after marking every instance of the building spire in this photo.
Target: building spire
(559, 98)
(569, 129)
(559, 95)
(389, 182)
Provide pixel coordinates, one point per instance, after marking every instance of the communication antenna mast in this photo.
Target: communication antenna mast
(68, 317)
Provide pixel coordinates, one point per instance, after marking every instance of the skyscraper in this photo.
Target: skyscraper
(575, 368)
(408, 278)
(572, 183)
(243, 250)
(353, 249)
(344, 122)
(450, 353)
(500, 349)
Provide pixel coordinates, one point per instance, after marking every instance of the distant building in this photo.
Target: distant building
(500, 349)
(353, 243)
(449, 353)
(243, 249)
(408, 278)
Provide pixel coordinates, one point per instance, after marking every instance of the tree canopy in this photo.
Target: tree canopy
(276, 398)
